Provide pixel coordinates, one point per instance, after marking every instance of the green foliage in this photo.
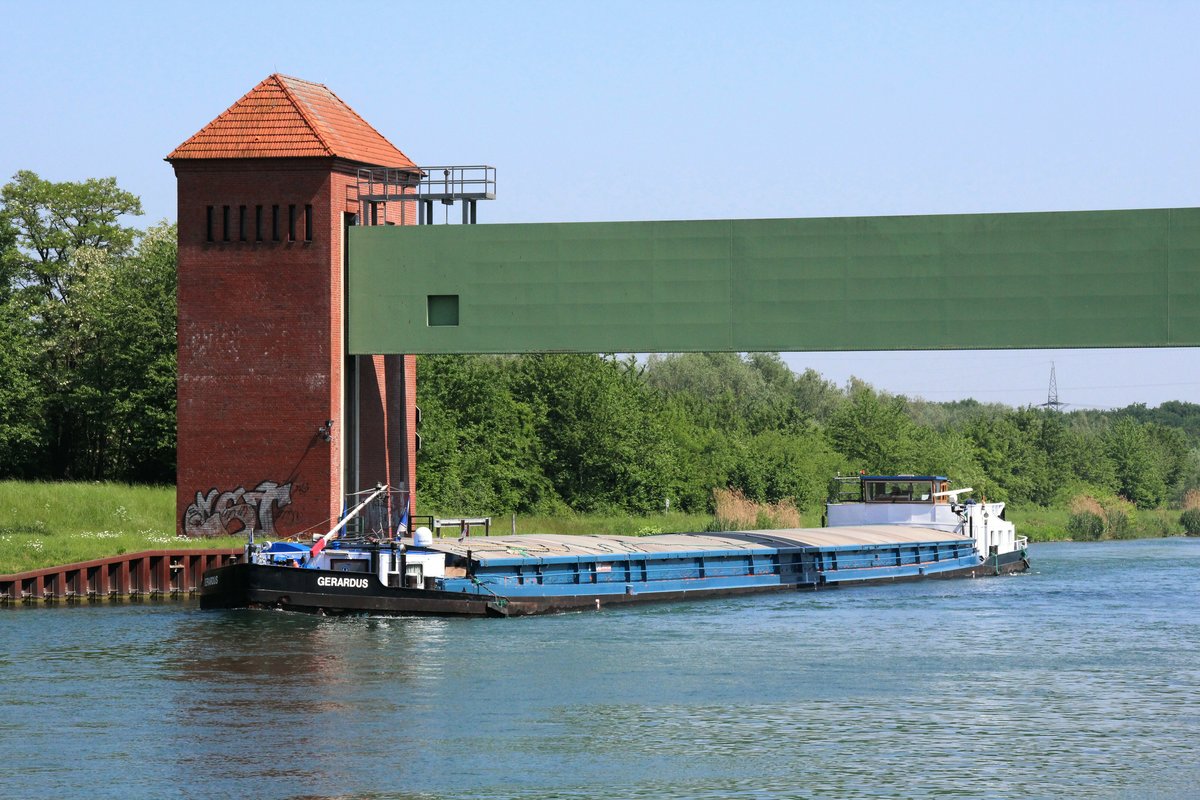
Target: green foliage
(1040, 524)
(777, 465)
(1190, 520)
(123, 391)
(1120, 525)
(602, 441)
(1084, 458)
(1153, 524)
(597, 433)
(1085, 526)
(951, 453)
(479, 450)
(874, 432)
(1189, 479)
(22, 400)
(1137, 462)
(87, 328)
(953, 415)
(1008, 451)
(1173, 414)
(55, 223)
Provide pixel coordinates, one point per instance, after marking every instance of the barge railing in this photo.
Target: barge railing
(455, 524)
(463, 525)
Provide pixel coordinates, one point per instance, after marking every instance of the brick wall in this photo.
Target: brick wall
(261, 358)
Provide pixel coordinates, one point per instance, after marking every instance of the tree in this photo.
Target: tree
(479, 451)
(1170, 447)
(816, 397)
(602, 437)
(62, 231)
(1088, 461)
(703, 456)
(951, 453)
(1131, 451)
(776, 465)
(20, 396)
(874, 432)
(1006, 447)
(124, 318)
(54, 221)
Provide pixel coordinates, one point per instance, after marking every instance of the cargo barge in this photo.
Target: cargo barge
(892, 528)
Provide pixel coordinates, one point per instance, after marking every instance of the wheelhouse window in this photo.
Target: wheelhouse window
(899, 491)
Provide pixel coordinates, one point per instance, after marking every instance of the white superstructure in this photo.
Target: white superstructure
(924, 501)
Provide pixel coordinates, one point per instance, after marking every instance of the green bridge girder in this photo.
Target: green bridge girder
(978, 281)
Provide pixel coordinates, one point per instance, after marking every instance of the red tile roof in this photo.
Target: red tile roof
(285, 117)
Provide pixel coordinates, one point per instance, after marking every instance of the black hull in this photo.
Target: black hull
(326, 592)
(256, 586)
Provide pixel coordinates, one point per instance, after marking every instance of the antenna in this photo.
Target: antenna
(1052, 400)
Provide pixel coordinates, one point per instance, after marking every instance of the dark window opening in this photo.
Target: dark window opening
(258, 223)
(308, 223)
(291, 223)
(225, 223)
(275, 223)
(241, 223)
(208, 225)
(442, 310)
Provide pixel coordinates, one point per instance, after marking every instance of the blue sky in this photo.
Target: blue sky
(663, 110)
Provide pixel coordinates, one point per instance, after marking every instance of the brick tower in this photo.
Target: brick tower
(276, 423)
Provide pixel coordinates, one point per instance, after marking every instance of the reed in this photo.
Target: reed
(735, 511)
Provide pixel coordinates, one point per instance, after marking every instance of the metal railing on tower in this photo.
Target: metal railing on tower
(424, 186)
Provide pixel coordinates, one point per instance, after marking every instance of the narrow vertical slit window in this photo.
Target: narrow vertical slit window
(241, 223)
(208, 224)
(225, 223)
(291, 222)
(258, 223)
(308, 223)
(275, 223)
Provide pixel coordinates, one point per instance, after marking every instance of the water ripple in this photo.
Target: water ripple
(1075, 681)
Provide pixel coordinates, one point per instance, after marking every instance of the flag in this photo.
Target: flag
(402, 528)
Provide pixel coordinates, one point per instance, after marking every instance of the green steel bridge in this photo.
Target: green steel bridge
(979, 281)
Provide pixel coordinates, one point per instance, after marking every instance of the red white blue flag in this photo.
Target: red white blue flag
(402, 528)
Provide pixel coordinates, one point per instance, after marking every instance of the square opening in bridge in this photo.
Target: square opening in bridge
(443, 309)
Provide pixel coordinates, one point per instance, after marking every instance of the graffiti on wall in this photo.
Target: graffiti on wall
(239, 511)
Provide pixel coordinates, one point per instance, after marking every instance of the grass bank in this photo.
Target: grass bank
(47, 524)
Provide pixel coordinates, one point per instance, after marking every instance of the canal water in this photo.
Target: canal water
(1081, 680)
